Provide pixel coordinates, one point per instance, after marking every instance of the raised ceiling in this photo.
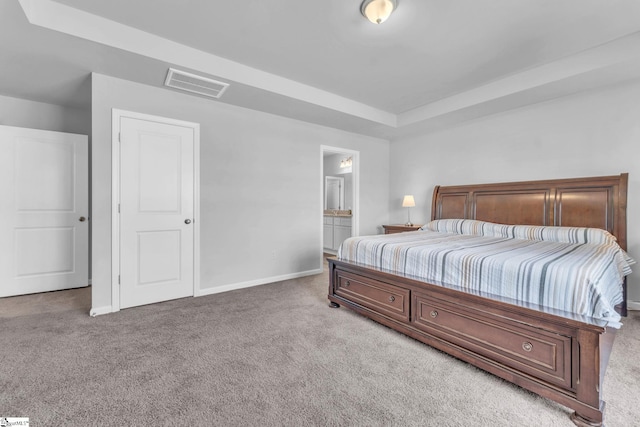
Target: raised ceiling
(433, 62)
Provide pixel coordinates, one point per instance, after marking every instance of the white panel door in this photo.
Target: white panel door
(44, 228)
(156, 211)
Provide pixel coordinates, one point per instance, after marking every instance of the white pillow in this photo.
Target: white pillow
(580, 235)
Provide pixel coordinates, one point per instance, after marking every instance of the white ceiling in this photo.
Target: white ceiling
(434, 62)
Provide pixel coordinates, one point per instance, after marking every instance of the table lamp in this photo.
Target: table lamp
(408, 202)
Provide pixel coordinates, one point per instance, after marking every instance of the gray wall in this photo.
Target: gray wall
(260, 174)
(587, 134)
(260, 178)
(38, 115)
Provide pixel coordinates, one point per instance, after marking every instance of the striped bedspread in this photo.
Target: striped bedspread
(583, 279)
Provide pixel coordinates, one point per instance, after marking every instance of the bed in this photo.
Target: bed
(552, 351)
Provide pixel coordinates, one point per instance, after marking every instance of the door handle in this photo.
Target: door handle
(187, 221)
(82, 219)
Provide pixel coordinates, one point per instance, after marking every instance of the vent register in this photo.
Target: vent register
(195, 84)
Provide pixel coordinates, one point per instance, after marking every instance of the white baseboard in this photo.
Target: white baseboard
(251, 283)
(633, 305)
(97, 311)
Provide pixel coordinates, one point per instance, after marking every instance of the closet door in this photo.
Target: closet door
(44, 223)
(157, 205)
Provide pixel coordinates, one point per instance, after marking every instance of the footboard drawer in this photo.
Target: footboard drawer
(384, 298)
(544, 354)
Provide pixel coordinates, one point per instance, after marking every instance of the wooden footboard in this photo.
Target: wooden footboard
(559, 358)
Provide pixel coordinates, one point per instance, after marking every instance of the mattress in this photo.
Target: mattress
(566, 270)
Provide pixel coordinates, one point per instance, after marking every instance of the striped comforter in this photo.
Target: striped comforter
(582, 279)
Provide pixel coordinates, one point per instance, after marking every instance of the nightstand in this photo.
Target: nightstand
(400, 228)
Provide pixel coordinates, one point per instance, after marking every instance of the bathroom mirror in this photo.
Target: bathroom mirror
(333, 192)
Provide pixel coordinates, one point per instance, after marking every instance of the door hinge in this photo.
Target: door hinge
(119, 137)
(118, 279)
(118, 207)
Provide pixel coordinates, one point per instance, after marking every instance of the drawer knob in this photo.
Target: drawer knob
(434, 314)
(347, 284)
(392, 298)
(527, 346)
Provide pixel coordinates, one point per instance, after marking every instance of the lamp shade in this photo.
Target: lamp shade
(408, 201)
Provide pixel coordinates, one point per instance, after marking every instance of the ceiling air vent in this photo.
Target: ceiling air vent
(196, 84)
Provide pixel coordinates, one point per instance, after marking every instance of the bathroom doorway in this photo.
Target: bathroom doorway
(340, 196)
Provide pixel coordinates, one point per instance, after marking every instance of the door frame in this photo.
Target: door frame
(355, 170)
(116, 116)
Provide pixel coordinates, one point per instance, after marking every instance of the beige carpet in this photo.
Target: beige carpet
(269, 356)
(78, 300)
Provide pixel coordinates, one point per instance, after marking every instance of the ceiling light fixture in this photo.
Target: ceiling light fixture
(377, 11)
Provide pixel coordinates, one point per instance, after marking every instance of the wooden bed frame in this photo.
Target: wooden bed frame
(558, 357)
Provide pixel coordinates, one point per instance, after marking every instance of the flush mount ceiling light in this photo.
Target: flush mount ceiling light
(377, 11)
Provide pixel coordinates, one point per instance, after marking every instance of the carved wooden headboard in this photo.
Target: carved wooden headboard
(599, 202)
